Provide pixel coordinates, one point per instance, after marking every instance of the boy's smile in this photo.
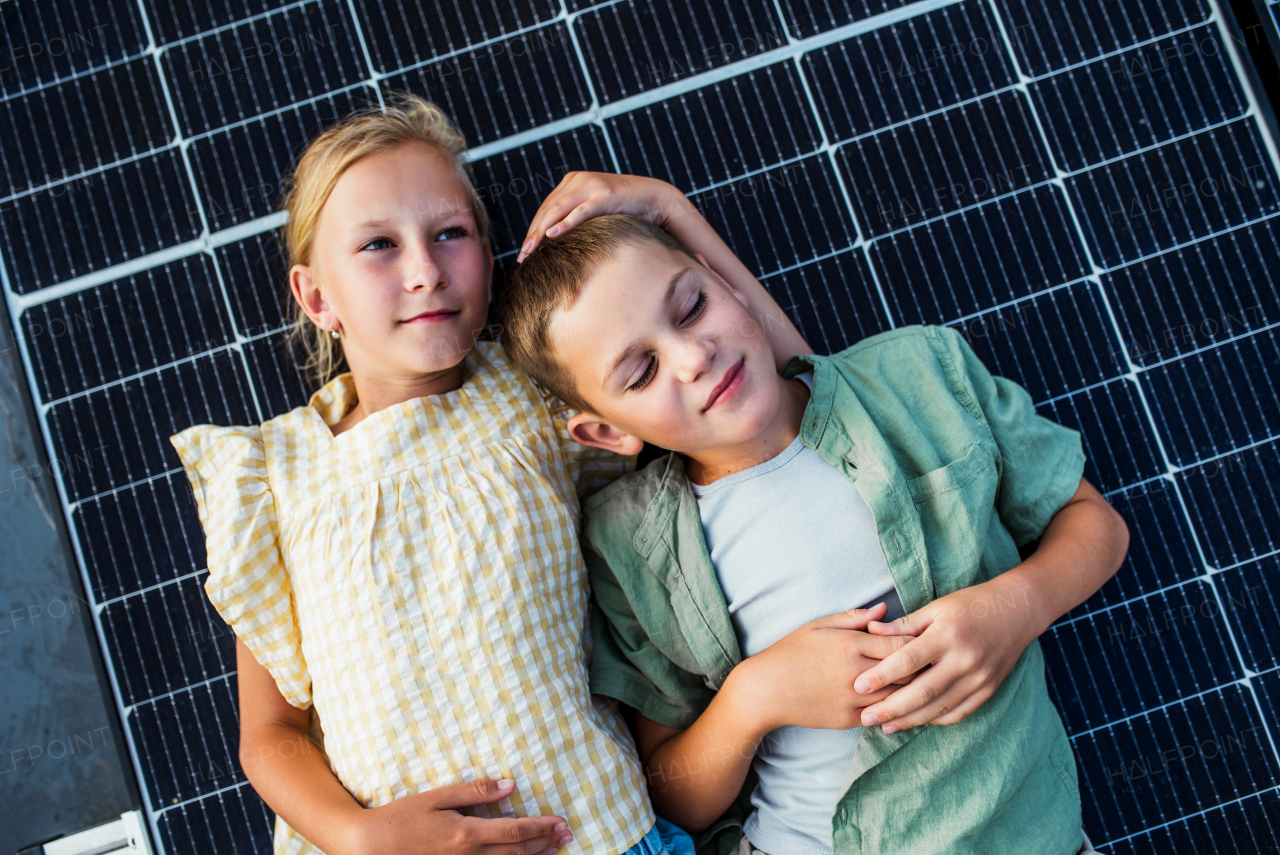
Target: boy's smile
(667, 352)
(726, 388)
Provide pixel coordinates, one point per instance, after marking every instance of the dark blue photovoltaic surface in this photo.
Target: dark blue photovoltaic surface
(1085, 190)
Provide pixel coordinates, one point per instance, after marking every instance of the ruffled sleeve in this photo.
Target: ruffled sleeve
(247, 583)
(592, 469)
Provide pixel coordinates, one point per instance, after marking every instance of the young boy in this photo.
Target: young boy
(898, 470)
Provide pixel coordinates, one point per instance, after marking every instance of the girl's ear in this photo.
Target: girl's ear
(742, 298)
(307, 292)
(594, 431)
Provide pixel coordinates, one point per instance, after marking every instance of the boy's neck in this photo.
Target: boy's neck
(705, 467)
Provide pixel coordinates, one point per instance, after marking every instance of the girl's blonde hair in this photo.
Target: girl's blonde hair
(406, 118)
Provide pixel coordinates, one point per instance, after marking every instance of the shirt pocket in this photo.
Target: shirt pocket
(954, 476)
(955, 504)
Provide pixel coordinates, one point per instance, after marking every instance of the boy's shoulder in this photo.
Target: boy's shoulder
(906, 346)
(916, 362)
(620, 508)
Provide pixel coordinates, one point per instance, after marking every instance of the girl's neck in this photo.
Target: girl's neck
(376, 392)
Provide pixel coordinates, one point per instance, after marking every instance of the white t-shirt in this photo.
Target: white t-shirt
(792, 540)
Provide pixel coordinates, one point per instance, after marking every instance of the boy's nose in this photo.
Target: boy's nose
(694, 357)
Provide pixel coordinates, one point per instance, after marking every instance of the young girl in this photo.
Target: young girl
(399, 557)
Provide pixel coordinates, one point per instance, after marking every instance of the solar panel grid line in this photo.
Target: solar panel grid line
(71, 38)
(688, 84)
(1246, 266)
(830, 152)
(199, 207)
(222, 28)
(134, 753)
(1232, 412)
(183, 690)
(721, 73)
(1148, 832)
(1132, 368)
(269, 222)
(148, 589)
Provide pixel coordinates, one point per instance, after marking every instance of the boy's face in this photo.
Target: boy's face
(665, 351)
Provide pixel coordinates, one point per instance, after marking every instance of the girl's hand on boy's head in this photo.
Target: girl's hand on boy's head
(582, 195)
(968, 642)
(430, 822)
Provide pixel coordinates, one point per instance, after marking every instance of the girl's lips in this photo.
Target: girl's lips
(430, 317)
(729, 385)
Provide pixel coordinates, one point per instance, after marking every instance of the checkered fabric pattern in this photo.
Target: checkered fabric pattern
(418, 579)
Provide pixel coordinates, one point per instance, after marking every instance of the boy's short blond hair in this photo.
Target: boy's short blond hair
(550, 279)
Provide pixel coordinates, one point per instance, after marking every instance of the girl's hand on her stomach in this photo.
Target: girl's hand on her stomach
(582, 195)
(430, 822)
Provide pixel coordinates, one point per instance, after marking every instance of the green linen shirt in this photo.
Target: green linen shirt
(959, 472)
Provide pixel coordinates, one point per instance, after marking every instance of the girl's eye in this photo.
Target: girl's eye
(649, 371)
(456, 231)
(696, 311)
(378, 243)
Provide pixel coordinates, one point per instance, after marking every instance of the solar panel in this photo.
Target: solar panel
(1087, 190)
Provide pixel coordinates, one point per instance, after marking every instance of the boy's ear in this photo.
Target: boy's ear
(307, 292)
(742, 298)
(590, 429)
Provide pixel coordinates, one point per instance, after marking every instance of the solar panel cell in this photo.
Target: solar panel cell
(97, 220)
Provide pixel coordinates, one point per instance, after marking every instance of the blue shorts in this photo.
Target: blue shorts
(663, 839)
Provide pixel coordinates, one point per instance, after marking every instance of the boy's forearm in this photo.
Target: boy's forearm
(293, 777)
(688, 226)
(1082, 547)
(695, 775)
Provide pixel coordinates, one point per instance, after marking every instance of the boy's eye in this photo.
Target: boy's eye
(696, 311)
(649, 371)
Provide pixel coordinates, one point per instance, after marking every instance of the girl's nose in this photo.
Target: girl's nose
(425, 272)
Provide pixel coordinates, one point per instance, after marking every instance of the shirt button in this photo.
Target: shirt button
(844, 815)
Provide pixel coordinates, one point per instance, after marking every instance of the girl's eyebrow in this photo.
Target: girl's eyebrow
(371, 225)
(385, 223)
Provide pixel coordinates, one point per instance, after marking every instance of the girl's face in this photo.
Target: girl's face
(397, 266)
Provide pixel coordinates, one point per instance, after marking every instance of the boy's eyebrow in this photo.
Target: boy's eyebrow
(626, 354)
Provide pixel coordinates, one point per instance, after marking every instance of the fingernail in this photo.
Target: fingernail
(527, 246)
(553, 231)
(560, 826)
(862, 687)
(890, 728)
(568, 838)
(869, 720)
(519, 258)
(506, 783)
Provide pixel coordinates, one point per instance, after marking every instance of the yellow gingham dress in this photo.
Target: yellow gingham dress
(418, 579)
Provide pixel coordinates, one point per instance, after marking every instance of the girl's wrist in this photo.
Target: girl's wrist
(747, 699)
(670, 204)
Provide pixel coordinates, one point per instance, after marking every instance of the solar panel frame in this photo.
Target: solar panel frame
(1053, 278)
